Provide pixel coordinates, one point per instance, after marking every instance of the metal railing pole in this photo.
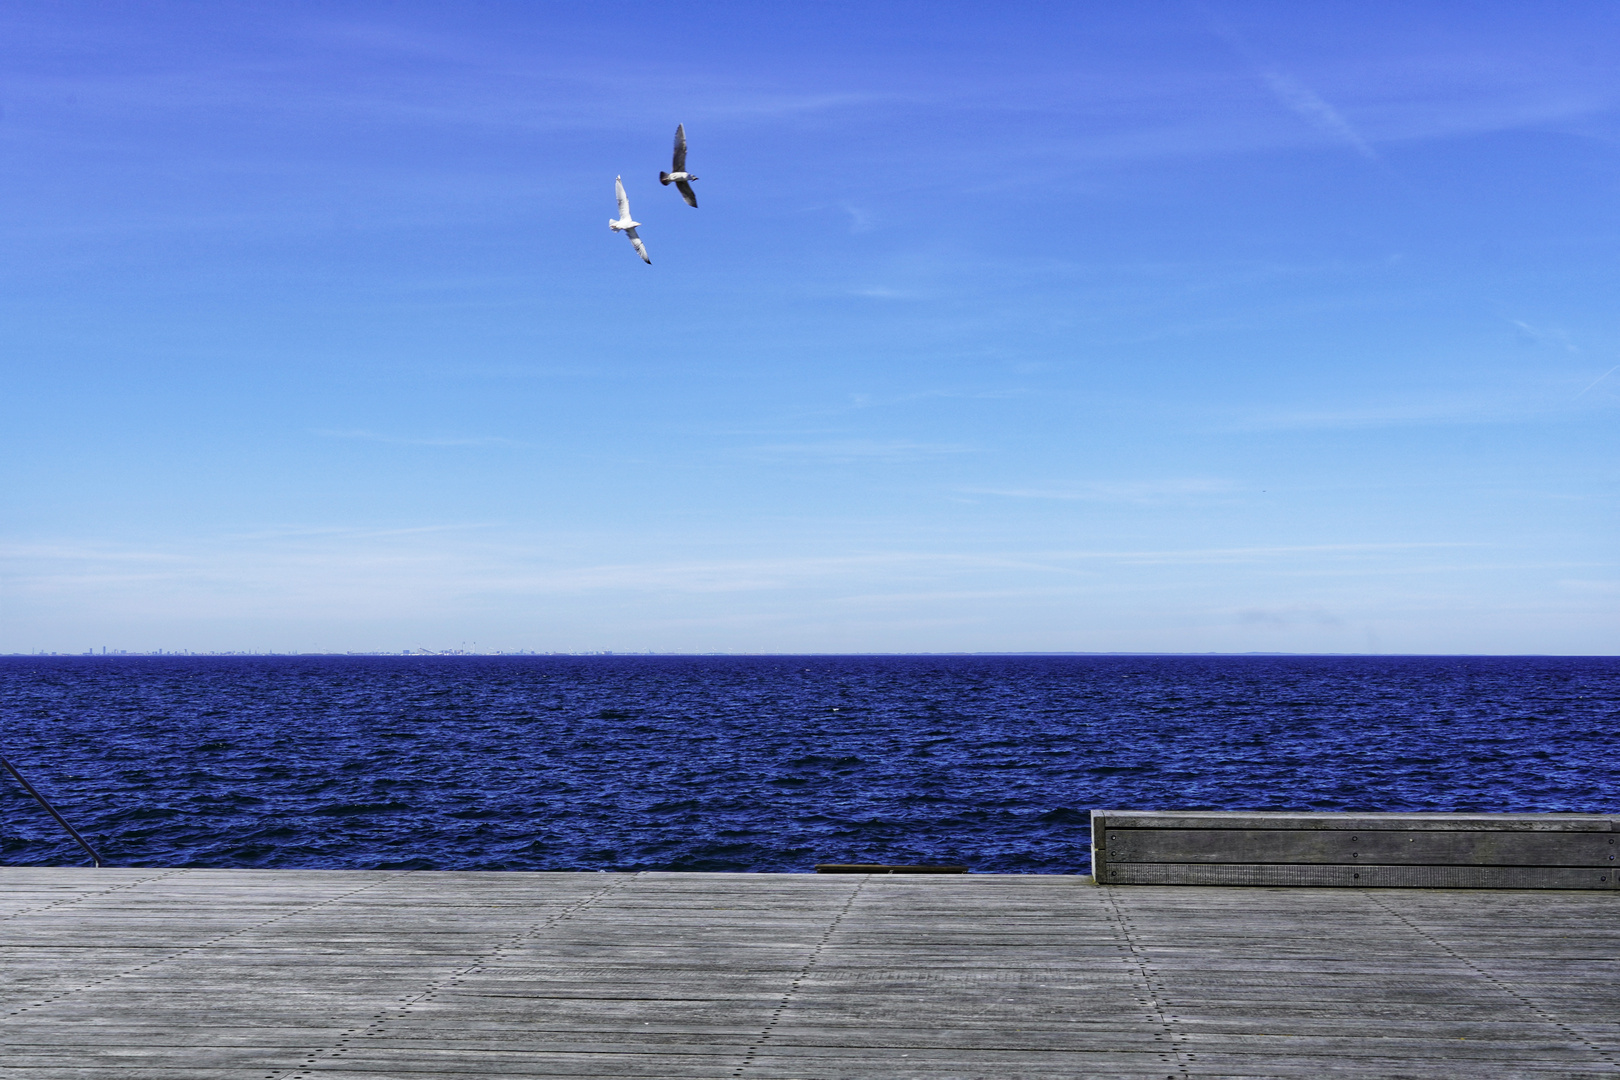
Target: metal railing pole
(46, 803)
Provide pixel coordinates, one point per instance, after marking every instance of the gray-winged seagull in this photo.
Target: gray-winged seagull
(624, 224)
(680, 177)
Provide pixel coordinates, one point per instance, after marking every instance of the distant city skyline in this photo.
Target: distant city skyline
(1225, 327)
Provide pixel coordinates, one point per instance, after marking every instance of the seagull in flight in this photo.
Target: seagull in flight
(624, 224)
(680, 177)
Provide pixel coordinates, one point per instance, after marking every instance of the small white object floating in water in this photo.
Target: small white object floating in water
(624, 224)
(680, 177)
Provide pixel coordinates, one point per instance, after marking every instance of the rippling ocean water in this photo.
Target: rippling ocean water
(762, 763)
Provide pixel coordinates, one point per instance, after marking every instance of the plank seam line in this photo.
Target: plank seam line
(92, 895)
(1506, 988)
(1138, 960)
(804, 973)
(382, 1020)
(52, 999)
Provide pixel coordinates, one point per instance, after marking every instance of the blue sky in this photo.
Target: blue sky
(1151, 327)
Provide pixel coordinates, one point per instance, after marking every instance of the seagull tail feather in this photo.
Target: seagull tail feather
(663, 178)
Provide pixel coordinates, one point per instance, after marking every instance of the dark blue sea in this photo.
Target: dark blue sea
(762, 763)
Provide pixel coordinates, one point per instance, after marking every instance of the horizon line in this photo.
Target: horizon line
(125, 654)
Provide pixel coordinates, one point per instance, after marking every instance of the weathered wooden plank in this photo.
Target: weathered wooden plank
(1383, 850)
(1346, 846)
(1278, 819)
(665, 975)
(1316, 876)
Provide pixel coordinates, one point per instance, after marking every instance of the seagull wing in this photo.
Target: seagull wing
(680, 148)
(687, 193)
(624, 202)
(635, 242)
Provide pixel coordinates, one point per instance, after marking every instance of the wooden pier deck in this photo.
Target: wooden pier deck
(283, 975)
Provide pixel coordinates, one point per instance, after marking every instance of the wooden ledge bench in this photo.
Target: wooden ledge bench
(1427, 851)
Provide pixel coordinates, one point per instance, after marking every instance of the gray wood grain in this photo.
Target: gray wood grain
(286, 975)
(1479, 851)
(1278, 819)
(1359, 876)
(1463, 847)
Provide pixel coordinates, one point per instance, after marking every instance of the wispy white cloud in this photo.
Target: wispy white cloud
(1591, 586)
(885, 292)
(1291, 615)
(321, 572)
(912, 599)
(1309, 105)
(1529, 406)
(1272, 553)
(407, 440)
(481, 82)
(862, 450)
(861, 219)
(1407, 91)
(347, 532)
(323, 575)
(1597, 380)
(869, 401)
(1148, 491)
(384, 588)
(1553, 336)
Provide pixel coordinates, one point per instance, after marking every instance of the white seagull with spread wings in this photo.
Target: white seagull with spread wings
(680, 177)
(624, 224)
